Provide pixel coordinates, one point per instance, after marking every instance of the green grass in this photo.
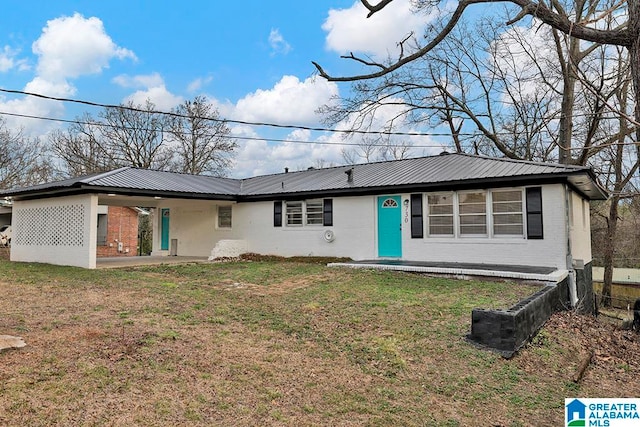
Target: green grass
(260, 343)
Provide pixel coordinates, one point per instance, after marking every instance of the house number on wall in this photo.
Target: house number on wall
(406, 214)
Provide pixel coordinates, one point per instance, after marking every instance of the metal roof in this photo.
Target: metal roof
(447, 171)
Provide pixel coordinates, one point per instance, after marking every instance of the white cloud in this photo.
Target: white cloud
(71, 46)
(293, 102)
(198, 84)
(7, 59)
(349, 30)
(290, 101)
(68, 47)
(151, 87)
(50, 88)
(139, 81)
(278, 44)
(159, 95)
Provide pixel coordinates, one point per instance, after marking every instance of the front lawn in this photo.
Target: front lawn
(276, 343)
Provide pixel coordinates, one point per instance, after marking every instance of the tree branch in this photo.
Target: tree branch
(559, 21)
(375, 8)
(457, 14)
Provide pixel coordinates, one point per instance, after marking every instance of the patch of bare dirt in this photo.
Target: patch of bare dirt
(274, 288)
(307, 259)
(613, 370)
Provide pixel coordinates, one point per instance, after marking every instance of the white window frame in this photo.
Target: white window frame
(219, 225)
(456, 196)
(290, 215)
(317, 215)
(493, 214)
(486, 214)
(429, 216)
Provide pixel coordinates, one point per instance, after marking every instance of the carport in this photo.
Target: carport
(63, 230)
(57, 222)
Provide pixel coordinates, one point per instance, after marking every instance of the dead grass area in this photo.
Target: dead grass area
(282, 342)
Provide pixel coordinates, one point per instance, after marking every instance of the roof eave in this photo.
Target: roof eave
(89, 189)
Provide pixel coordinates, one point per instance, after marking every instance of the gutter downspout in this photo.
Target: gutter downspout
(573, 290)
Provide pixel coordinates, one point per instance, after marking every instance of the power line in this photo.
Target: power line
(248, 123)
(238, 122)
(236, 137)
(250, 138)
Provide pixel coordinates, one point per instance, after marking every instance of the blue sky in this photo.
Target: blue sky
(252, 59)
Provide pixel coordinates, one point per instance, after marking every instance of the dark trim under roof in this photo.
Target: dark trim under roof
(434, 173)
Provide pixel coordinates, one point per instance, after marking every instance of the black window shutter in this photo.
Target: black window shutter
(327, 212)
(416, 216)
(534, 213)
(277, 214)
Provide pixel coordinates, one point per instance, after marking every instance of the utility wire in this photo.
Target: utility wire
(238, 122)
(248, 123)
(236, 137)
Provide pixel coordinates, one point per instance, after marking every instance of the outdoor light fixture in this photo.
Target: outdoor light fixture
(111, 194)
(406, 202)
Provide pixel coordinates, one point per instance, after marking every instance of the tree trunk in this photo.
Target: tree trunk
(634, 58)
(618, 186)
(609, 251)
(568, 100)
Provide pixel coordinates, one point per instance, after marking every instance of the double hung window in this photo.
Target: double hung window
(473, 213)
(507, 213)
(440, 208)
(224, 216)
(493, 213)
(300, 213)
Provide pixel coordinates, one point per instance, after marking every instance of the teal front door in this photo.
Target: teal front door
(164, 230)
(389, 226)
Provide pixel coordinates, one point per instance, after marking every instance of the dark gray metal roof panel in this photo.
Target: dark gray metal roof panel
(142, 179)
(450, 169)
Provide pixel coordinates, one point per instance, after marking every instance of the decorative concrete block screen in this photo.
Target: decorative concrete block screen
(50, 226)
(60, 230)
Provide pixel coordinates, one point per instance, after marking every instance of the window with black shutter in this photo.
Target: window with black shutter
(327, 212)
(534, 213)
(277, 214)
(416, 216)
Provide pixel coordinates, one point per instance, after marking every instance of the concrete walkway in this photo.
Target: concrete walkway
(521, 272)
(133, 261)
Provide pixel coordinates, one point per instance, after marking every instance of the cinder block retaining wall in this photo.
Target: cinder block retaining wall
(507, 330)
(584, 286)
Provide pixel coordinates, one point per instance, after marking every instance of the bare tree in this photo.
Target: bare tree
(22, 159)
(202, 139)
(551, 13)
(134, 135)
(81, 148)
(596, 22)
(371, 149)
(622, 167)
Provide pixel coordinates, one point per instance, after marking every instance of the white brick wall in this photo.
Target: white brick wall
(548, 252)
(353, 228)
(354, 219)
(580, 229)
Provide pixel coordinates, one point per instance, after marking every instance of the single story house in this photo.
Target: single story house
(445, 208)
